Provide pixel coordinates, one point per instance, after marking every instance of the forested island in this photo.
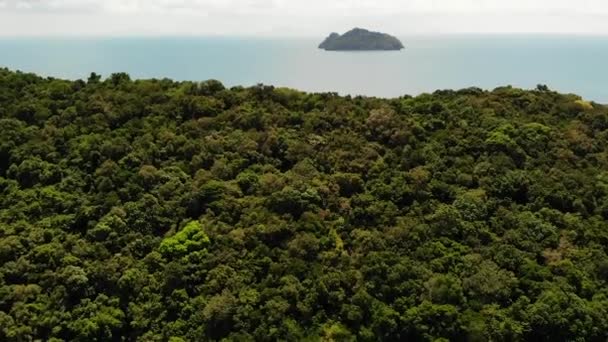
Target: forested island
(156, 210)
(360, 39)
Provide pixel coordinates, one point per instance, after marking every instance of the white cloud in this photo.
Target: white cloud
(302, 17)
(139, 6)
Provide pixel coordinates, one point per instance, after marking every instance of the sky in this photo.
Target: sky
(307, 18)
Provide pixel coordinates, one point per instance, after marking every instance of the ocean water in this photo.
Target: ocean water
(573, 64)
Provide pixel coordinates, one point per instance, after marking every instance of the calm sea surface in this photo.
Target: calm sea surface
(569, 64)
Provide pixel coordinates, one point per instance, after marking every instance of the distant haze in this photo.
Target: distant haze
(298, 17)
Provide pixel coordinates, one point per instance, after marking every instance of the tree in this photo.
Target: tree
(190, 239)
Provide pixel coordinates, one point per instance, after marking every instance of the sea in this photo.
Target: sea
(569, 64)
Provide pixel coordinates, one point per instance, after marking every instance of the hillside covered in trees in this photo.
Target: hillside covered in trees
(359, 39)
(155, 210)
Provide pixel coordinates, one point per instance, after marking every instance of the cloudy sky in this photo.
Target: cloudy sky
(298, 17)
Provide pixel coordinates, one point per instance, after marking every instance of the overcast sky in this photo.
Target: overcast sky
(298, 17)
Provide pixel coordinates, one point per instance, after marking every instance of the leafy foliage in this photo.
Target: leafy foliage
(190, 239)
(156, 210)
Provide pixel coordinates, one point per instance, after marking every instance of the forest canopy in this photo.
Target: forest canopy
(156, 210)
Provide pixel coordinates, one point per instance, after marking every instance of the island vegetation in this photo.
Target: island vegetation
(360, 39)
(155, 210)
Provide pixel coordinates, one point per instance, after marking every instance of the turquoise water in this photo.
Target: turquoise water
(569, 64)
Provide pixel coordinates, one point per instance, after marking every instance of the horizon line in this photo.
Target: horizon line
(295, 36)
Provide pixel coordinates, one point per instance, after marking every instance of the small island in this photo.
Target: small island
(359, 39)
